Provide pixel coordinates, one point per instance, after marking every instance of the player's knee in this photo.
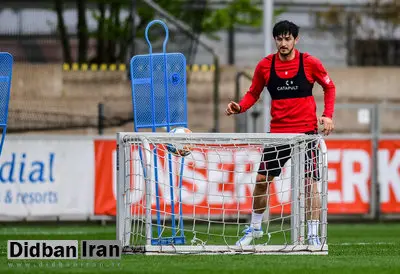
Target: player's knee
(262, 183)
(261, 178)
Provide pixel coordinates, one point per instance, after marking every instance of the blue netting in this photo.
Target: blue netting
(159, 88)
(6, 63)
(159, 100)
(159, 96)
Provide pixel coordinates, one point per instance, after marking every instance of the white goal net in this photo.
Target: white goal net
(203, 203)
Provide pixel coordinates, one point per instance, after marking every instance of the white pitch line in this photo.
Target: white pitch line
(21, 232)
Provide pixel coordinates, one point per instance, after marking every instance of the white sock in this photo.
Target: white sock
(315, 227)
(256, 220)
(309, 229)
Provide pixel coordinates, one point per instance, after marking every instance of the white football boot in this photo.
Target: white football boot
(314, 240)
(250, 233)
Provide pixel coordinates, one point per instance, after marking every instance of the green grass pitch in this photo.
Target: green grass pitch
(353, 248)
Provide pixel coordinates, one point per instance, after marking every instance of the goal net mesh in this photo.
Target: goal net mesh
(203, 202)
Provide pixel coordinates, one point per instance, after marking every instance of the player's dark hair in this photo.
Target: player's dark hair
(285, 28)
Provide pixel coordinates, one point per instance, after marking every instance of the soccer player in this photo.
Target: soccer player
(289, 76)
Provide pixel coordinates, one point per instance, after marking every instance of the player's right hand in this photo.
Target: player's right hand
(328, 125)
(233, 108)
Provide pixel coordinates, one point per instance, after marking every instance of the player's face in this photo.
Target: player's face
(285, 43)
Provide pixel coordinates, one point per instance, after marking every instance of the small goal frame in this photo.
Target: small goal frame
(297, 244)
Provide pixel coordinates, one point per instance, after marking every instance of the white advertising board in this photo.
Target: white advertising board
(46, 177)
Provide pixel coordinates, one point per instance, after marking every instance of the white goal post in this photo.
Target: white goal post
(201, 203)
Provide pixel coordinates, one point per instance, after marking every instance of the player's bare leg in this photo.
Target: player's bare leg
(260, 202)
(313, 210)
(261, 193)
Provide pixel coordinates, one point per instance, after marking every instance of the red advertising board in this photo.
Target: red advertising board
(389, 175)
(349, 176)
(349, 180)
(105, 191)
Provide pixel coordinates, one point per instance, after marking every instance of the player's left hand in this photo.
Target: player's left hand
(328, 125)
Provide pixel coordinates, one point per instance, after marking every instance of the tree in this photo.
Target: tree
(63, 31)
(83, 34)
(114, 35)
(377, 18)
(237, 13)
(371, 26)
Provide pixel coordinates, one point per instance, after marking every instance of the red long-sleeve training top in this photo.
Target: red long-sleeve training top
(297, 114)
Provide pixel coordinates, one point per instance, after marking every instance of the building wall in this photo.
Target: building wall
(47, 90)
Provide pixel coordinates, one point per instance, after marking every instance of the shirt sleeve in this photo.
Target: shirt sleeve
(321, 76)
(257, 86)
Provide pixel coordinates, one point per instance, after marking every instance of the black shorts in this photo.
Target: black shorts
(274, 159)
